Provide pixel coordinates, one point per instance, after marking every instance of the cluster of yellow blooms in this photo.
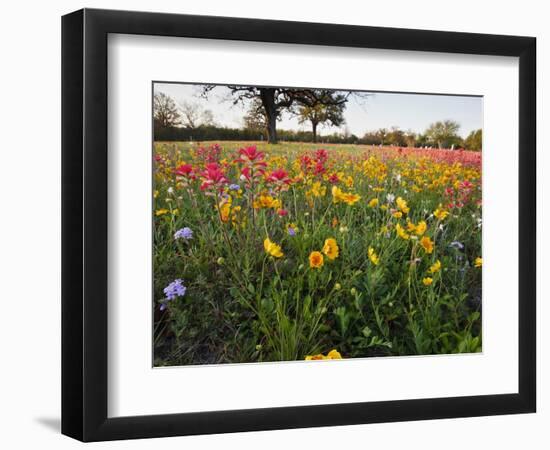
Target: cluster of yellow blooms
(330, 249)
(340, 196)
(333, 354)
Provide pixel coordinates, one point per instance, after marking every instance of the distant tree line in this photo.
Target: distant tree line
(189, 122)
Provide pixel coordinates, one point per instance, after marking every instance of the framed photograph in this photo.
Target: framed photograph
(273, 224)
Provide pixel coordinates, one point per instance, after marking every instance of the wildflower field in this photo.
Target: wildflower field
(304, 251)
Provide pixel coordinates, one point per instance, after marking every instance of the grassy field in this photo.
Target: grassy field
(302, 251)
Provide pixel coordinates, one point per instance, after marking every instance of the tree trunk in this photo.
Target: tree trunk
(267, 96)
(314, 127)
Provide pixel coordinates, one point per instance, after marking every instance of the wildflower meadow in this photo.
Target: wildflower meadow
(301, 251)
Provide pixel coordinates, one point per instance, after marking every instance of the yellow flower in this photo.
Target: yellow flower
(155, 193)
(266, 201)
(373, 203)
(435, 267)
(427, 244)
(317, 357)
(402, 205)
(316, 260)
(331, 248)
(340, 196)
(401, 232)
(272, 248)
(225, 209)
(334, 354)
(351, 199)
(373, 256)
(162, 211)
(397, 214)
(317, 189)
(421, 228)
(478, 262)
(440, 213)
(427, 281)
(411, 227)
(336, 194)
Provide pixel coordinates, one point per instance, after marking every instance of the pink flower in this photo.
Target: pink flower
(282, 212)
(250, 156)
(279, 176)
(185, 170)
(321, 156)
(333, 178)
(213, 177)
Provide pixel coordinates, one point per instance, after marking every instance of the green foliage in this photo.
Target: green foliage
(474, 141)
(443, 133)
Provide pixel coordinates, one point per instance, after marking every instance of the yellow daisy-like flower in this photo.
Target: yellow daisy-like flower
(272, 249)
(340, 196)
(401, 232)
(373, 203)
(427, 281)
(373, 256)
(351, 199)
(402, 205)
(331, 248)
(317, 189)
(333, 354)
(266, 201)
(316, 260)
(225, 209)
(440, 213)
(427, 244)
(162, 211)
(421, 228)
(478, 262)
(435, 267)
(397, 214)
(317, 357)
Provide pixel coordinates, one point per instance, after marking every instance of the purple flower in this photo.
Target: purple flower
(175, 289)
(291, 231)
(184, 233)
(456, 245)
(234, 187)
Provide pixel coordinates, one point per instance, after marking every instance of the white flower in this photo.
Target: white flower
(170, 190)
(390, 198)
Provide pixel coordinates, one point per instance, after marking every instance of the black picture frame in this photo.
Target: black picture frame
(84, 224)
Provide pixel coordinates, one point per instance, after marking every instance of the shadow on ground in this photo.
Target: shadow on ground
(52, 423)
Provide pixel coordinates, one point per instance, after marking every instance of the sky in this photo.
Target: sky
(379, 110)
